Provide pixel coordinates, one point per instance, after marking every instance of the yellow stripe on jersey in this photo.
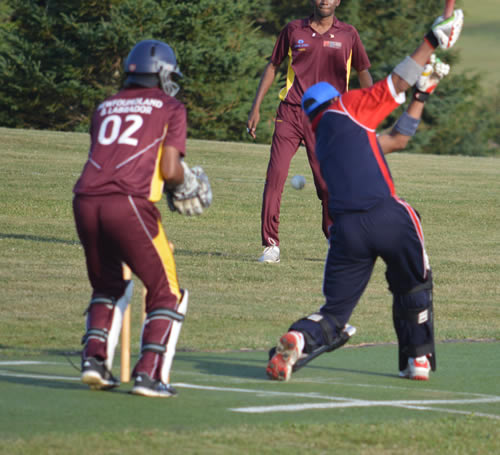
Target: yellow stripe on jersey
(160, 243)
(290, 77)
(349, 61)
(156, 189)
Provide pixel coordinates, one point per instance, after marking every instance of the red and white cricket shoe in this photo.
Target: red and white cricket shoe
(288, 351)
(418, 369)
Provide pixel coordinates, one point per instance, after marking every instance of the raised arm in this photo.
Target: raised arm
(444, 33)
(407, 124)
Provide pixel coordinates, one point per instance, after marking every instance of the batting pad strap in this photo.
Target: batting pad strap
(163, 313)
(409, 70)
(425, 286)
(328, 324)
(101, 300)
(406, 125)
(156, 348)
(97, 334)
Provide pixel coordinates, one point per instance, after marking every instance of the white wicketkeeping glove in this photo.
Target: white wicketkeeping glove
(447, 31)
(193, 195)
(433, 72)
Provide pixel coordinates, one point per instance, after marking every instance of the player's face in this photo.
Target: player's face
(325, 8)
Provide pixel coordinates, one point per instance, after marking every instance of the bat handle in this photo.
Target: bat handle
(448, 9)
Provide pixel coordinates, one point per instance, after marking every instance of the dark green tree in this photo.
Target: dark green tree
(60, 58)
(64, 56)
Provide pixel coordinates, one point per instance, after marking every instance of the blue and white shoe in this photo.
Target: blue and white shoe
(147, 387)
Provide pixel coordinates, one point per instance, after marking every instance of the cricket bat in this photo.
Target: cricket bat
(449, 7)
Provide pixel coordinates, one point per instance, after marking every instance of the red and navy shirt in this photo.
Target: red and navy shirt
(128, 134)
(351, 160)
(315, 57)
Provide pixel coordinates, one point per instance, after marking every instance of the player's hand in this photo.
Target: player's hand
(447, 31)
(193, 195)
(253, 121)
(433, 72)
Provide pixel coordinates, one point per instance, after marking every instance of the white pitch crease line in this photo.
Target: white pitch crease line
(455, 411)
(7, 363)
(416, 404)
(38, 376)
(264, 393)
(340, 402)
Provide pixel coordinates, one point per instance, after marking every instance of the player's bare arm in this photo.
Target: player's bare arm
(170, 166)
(265, 83)
(407, 124)
(365, 79)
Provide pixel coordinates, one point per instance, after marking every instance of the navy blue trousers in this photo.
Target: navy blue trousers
(392, 231)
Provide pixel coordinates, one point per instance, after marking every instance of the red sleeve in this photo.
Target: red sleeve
(177, 129)
(360, 60)
(281, 47)
(369, 106)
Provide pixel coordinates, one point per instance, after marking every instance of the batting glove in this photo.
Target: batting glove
(193, 195)
(445, 32)
(433, 72)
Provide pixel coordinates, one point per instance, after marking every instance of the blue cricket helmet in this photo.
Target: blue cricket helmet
(150, 63)
(316, 95)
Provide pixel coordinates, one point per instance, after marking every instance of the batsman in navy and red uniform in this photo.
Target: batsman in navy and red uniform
(370, 220)
(319, 48)
(138, 142)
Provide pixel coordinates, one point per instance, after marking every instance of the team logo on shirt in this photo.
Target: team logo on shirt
(300, 44)
(332, 44)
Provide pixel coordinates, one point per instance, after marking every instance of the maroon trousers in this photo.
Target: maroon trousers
(116, 229)
(291, 128)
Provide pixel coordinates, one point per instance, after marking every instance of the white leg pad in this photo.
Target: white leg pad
(116, 323)
(175, 330)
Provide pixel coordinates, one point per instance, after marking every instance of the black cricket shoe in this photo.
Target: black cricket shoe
(97, 376)
(147, 387)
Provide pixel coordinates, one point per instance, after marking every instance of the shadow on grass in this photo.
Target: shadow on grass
(178, 252)
(35, 352)
(243, 367)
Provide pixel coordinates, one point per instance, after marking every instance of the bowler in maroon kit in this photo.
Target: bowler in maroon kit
(138, 141)
(319, 48)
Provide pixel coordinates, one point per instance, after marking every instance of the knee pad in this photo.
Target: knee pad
(104, 323)
(414, 323)
(319, 329)
(160, 333)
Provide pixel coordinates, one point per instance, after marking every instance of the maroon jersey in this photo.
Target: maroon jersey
(128, 133)
(315, 57)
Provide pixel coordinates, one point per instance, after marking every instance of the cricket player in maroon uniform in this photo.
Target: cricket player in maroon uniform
(371, 221)
(138, 142)
(319, 48)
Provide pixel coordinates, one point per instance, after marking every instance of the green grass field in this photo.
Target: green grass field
(350, 399)
(480, 39)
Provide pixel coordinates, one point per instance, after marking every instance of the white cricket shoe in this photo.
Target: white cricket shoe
(271, 255)
(418, 369)
(287, 353)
